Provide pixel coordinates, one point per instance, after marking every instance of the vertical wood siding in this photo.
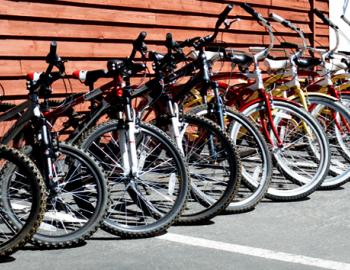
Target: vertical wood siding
(90, 31)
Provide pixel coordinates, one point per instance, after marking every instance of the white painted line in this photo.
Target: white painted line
(256, 252)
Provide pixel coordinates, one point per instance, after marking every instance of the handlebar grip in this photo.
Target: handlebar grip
(53, 47)
(255, 14)
(321, 16)
(140, 38)
(250, 10)
(224, 15)
(276, 17)
(169, 43)
(138, 45)
(283, 21)
(324, 19)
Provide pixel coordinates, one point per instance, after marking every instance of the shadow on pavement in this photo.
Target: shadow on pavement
(37, 248)
(280, 201)
(203, 223)
(118, 238)
(7, 259)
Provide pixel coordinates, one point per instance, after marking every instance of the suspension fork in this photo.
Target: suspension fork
(175, 123)
(127, 140)
(219, 110)
(131, 131)
(46, 143)
(210, 108)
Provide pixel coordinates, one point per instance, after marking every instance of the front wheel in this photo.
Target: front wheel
(344, 144)
(77, 199)
(214, 167)
(254, 155)
(147, 203)
(22, 193)
(303, 159)
(335, 120)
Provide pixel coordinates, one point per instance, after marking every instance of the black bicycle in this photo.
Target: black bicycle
(77, 193)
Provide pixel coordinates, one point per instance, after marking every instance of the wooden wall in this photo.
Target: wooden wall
(90, 31)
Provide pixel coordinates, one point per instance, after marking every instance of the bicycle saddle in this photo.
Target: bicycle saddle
(241, 59)
(307, 62)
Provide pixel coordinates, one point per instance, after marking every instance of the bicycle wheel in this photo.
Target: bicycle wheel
(77, 199)
(302, 161)
(254, 155)
(147, 203)
(22, 191)
(334, 118)
(214, 167)
(344, 144)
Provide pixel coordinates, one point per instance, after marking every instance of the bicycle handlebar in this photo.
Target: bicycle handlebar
(199, 42)
(292, 26)
(141, 38)
(325, 20)
(169, 42)
(138, 45)
(284, 22)
(263, 53)
(53, 47)
(255, 14)
(277, 18)
(333, 26)
(345, 19)
(223, 16)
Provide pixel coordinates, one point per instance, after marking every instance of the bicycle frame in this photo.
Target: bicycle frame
(32, 113)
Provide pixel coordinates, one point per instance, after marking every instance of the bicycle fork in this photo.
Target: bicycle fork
(46, 144)
(175, 124)
(127, 141)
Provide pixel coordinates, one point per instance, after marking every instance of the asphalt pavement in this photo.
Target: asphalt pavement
(305, 235)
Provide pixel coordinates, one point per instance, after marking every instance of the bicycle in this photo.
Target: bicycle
(320, 98)
(252, 149)
(77, 198)
(275, 116)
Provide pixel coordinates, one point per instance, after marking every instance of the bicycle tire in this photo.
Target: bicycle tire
(285, 191)
(65, 224)
(32, 211)
(250, 192)
(214, 166)
(345, 100)
(339, 171)
(133, 200)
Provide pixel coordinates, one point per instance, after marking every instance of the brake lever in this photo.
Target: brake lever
(227, 22)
